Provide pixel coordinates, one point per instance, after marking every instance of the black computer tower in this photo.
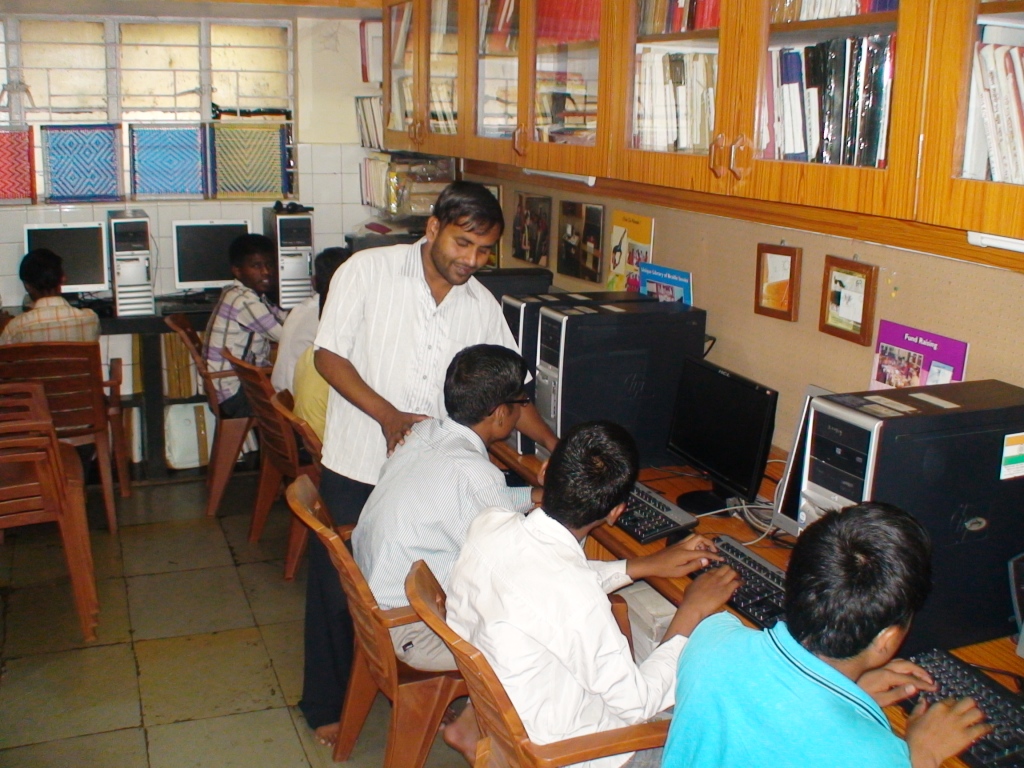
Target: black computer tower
(952, 455)
(619, 362)
(500, 281)
(522, 313)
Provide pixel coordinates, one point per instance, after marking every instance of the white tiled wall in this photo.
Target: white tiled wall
(328, 181)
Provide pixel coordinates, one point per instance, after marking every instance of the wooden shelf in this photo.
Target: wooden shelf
(1001, 6)
(839, 24)
(675, 37)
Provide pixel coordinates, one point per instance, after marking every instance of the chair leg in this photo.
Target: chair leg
(228, 443)
(120, 445)
(270, 483)
(415, 717)
(106, 479)
(77, 552)
(298, 537)
(362, 690)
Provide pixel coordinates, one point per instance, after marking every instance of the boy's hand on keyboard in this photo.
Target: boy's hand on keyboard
(689, 555)
(943, 729)
(898, 680)
(707, 594)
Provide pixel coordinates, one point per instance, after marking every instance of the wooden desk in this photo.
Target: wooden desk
(607, 543)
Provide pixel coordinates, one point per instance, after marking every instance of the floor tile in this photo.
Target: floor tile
(43, 618)
(273, 599)
(272, 544)
(114, 749)
(187, 603)
(240, 496)
(163, 502)
(38, 557)
(264, 739)
(106, 555)
(58, 695)
(187, 678)
(175, 546)
(284, 644)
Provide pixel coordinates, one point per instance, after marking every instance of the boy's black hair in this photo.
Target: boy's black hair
(324, 266)
(479, 379)
(42, 269)
(471, 206)
(854, 573)
(591, 471)
(243, 246)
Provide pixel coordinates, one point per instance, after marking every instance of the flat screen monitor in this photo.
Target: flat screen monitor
(786, 508)
(82, 247)
(201, 252)
(722, 424)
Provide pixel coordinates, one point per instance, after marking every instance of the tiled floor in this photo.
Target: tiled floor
(199, 657)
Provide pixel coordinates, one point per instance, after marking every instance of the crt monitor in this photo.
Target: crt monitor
(82, 247)
(786, 507)
(201, 252)
(722, 424)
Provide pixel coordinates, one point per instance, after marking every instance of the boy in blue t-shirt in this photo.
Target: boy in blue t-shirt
(809, 691)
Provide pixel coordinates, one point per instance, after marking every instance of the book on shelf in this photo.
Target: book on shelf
(829, 102)
(994, 135)
(675, 105)
(369, 114)
(401, 18)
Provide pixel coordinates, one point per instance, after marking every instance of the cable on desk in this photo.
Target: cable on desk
(1018, 680)
(754, 541)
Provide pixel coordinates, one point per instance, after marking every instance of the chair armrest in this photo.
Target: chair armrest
(595, 745)
(397, 617)
(222, 374)
(114, 384)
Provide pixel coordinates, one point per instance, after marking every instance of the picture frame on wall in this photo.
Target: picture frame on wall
(580, 234)
(777, 284)
(531, 229)
(848, 290)
(495, 258)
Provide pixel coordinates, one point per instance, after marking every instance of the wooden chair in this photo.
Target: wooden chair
(298, 537)
(41, 481)
(71, 375)
(504, 742)
(418, 698)
(228, 434)
(279, 455)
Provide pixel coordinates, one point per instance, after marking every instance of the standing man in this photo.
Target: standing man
(394, 319)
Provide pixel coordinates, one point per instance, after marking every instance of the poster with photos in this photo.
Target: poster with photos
(494, 259)
(580, 230)
(531, 228)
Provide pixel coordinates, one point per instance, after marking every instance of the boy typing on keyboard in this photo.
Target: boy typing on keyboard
(809, 691)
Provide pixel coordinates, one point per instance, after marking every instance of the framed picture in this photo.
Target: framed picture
(495, 257)
(848, 299)
(777, 287)
(531, 229)
(580, 230)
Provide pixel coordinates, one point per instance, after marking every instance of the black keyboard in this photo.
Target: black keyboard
(649, 516)
(761, 596)
(1004, 710)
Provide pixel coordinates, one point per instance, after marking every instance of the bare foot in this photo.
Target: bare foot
(327, 734)
(463, 734)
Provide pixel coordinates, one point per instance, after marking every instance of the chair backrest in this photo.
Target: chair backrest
(371, 633)
(495, 713)
(276, 436)
(181, 325)
(32, 488)
(284, 404)
(72, 378)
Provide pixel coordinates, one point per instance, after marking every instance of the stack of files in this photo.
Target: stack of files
(829, 102)
(675, 102)
(702, 14)
(995, 118)
(180, 378)
(373, 177)
(783, 11)
(444, 108)
(662, 17)
(370, 117)
(499, 26)
(568, 21)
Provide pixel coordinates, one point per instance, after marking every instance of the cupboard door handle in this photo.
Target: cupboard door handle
(411, 131)
(517, 140)
(714, 152)
(740, 153)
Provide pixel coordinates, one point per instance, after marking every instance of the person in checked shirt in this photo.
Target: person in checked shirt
(244, 321)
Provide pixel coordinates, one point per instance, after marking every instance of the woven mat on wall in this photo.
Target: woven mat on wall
(248, 161)
(167, 160)
(17, 174)
(81, 163)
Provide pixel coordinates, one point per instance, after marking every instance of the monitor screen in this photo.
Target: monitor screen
(722, 425)
(201, 252)
(82, 247)
(786, 508)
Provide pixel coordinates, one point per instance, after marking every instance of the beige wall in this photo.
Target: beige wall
(329, 78)
(981, 305)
